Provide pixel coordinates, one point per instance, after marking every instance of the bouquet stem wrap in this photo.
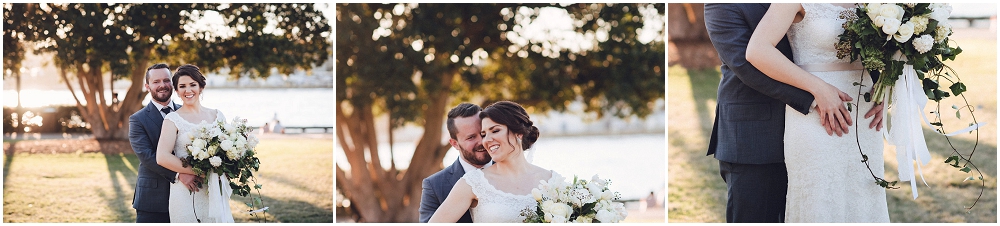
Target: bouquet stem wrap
(218, 198)
(905, 132)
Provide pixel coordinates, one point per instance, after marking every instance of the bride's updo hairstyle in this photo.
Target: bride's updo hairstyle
(516, 119)
(191, 71)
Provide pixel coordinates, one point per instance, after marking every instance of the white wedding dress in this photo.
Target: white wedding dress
(496, 206)
(827, 182)
(211, 203)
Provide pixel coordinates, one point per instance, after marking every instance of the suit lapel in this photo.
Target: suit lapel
(154, 122)
(457, 171)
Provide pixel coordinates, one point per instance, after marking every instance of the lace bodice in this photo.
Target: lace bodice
(496, 206)
(814, 39)
(184, 128)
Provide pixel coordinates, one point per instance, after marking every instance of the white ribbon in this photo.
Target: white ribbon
(905, 132)
(218, 199)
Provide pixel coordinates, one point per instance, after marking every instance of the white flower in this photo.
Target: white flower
(942, 31)
(873, 9)
(201, 155)
(923, 43)
(230, 128)
(940, 11)
(608, 195)
(919, 23)
(905, 32)
(606, 216)
(215, 160)
(212, 149)
(252, 142)
(584, 219)
(198, 143)
(536, 194)
(227, 145)
(556, 212)
(889, 25)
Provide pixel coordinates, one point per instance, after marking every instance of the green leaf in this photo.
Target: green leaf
(966, 169)
(849, 107)
(968, 179)
(864, 158)
(958, 88)
(958, 114)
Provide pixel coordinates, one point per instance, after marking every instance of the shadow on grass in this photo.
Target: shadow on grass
(700, 194)
(8, 158)
(945, 201)
(289, 211)
(118, 169)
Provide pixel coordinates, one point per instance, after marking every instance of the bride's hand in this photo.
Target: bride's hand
(830, 106)
(190, 181)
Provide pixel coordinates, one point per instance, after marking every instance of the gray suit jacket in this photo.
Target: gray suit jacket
(750, 115)
(436, 188)
(152, 188)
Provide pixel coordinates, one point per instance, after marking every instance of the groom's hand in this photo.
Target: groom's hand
(190, 181)
(877, 112)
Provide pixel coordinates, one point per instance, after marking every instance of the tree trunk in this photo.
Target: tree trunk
(688, 41)
(389, 196)
(107, 122)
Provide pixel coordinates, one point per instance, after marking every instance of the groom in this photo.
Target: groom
(463, 126)
(152, 188)
(748, 133)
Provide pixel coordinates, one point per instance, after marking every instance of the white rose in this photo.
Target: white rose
(923, 43)
(253, 141)
(240, 144)
(559, 211)
(584, 219)
(227, 145)
(212, 149)
(536, 194)
(215, 160)
(891, 11)
(873, 9)
(606, 216)
(595, 188)
(904, 33)
(608, 195)
(198, 143)
(889, 25)
(201, 155)
(940, 11)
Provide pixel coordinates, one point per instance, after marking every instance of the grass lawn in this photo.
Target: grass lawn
(696, 192)
(94, 187)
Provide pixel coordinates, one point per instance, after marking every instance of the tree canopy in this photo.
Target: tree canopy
(91, 41)
(414, 61)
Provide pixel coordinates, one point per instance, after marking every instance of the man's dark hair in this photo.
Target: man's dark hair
(155, 66)
(460, 111)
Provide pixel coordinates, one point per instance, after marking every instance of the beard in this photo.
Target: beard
(471, 155)
(165, 97)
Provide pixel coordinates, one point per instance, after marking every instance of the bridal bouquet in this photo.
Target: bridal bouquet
(581, 201)
(908, 43)
(886, 37)
(227, 149)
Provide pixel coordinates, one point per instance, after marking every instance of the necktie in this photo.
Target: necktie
(166, 110)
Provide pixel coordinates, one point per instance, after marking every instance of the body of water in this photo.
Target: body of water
(292, 106)
(635, 163)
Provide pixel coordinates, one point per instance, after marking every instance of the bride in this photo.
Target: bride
(500, 192)
(207, 205)
(827, 182)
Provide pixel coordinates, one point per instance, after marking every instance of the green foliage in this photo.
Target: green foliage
(395, 57)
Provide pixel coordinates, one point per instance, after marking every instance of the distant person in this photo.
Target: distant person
(651, 200)
(278, 128)
(265, 129)
(152, 190)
